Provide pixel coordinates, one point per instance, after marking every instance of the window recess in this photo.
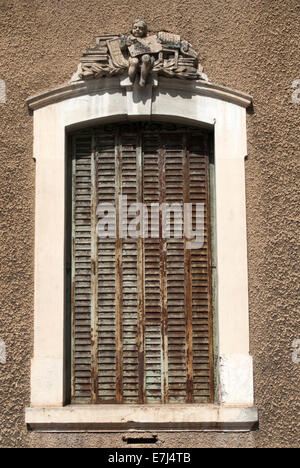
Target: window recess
(141, 307)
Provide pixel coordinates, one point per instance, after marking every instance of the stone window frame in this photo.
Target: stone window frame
(112, 100)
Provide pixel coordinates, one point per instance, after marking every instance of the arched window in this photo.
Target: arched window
(193, 107)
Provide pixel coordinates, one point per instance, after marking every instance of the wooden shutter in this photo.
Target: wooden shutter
(141, 307)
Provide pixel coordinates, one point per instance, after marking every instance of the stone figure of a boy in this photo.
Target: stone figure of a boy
(142, 50)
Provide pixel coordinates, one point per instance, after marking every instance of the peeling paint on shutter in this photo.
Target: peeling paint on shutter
(81, 268)
(106, 149)
(141, 308)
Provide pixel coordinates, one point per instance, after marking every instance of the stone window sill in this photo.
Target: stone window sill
(123, 418)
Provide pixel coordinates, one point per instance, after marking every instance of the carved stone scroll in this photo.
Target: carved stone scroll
(117, 57)
(145, 45)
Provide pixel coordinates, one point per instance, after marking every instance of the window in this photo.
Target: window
(142, 313)
(66, 110)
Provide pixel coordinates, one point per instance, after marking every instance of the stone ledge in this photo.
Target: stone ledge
(82, 88)
(124, 418)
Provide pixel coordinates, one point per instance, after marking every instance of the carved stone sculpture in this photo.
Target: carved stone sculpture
(140, 53)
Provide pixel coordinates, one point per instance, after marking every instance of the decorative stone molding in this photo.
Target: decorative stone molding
(165, 418)
(140, 53)
(105, 85)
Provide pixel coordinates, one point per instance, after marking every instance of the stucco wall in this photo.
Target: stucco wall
(248, 45)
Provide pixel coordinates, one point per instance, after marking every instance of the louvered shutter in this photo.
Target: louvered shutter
(142, 318)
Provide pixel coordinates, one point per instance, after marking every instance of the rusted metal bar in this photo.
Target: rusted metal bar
(163, 278)
(119, 274)
(73, 269)
(94, 275)
(210, 272)
(141, 281)
(188, 280)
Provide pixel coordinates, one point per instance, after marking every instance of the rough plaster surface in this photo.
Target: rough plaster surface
(248, 45)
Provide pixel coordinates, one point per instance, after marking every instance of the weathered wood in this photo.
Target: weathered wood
(141, 278)
(141, 308)
(119, 274)
(94, 276)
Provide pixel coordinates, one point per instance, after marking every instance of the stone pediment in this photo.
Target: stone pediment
(140, 54)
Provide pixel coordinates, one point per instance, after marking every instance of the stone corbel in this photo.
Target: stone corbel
(139, 100)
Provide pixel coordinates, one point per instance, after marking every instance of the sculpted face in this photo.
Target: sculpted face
(139, 29)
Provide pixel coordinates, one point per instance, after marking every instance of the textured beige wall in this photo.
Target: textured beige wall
(250, 45)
